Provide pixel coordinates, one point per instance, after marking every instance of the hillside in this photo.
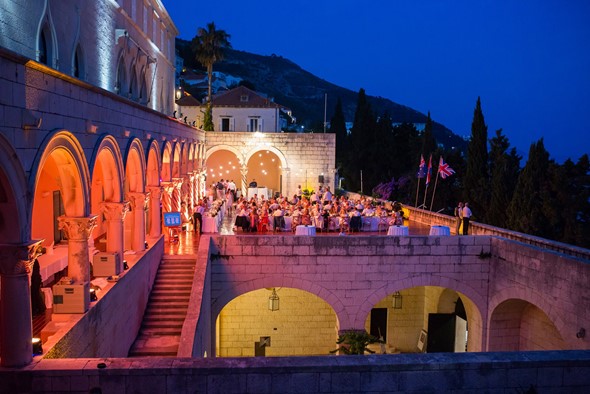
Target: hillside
(303, 92)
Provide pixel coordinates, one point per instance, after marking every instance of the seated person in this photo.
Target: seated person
(253, 183)
(278, 219)
(264, 222)
(254, 218)
(355, 220)
(242, 220)
(306, 218)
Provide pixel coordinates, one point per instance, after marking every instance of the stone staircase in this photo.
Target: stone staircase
(166, 309)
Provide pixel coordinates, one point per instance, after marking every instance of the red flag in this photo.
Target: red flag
(429, 171)
(444, 170)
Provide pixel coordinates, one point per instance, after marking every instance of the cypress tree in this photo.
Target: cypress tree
(476, 180)
(525, 212)
(338, 127)
(504, 170)
(361, 136)
(428, 141)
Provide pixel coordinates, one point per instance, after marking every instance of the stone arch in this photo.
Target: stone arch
(274, 150)
(230, 148)
(121, 81)
(59, 184)
(135, 166)
(14, 210)
(68, 156)
(166, 168)
(153, 164)
(474, 302)
(107, 178)
(184, 164)
(227, 294)
(191, 157)
(536, 299)
(176, 160)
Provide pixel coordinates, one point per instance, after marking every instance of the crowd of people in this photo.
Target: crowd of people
(319, 209)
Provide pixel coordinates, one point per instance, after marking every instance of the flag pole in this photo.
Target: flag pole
(417, 192)
(425, 194)
(434, 191)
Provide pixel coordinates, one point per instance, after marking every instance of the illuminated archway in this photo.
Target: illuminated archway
(303, 325)
(134, 183)
(223, 164)
(61, 186)
(518, 325)
(265, 167)
(14, 225)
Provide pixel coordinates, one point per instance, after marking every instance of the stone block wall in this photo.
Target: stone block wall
(543, 372)
(315, 153)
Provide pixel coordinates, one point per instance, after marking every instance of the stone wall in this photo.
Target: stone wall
(315, 153)
(111, 325)
(544, 372)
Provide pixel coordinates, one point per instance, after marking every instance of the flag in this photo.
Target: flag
(422, 167)
(429, 172)
(444, 170)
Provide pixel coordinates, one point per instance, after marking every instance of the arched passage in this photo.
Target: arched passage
(518, 325)
(61, 186)
(265, 166)
(223, 164)
(14, 225)
(303, 325)
(401, 321)
(134, 193)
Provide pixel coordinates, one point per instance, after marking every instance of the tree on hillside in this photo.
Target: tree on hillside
(525, 212)
(208, 45)
(338, 127)
(504, 168)
(476, 179)
(428, 141)
(361, 136)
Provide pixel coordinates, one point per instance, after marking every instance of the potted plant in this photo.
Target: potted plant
(355, 342)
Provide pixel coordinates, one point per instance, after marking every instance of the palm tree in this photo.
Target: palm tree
(208, 45)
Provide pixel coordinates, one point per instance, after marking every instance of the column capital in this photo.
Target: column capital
(155, 192)
(77, 228)
(138, 199)
(114, 210)
(18, 259)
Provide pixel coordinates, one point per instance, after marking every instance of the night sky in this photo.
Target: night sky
(528, 61)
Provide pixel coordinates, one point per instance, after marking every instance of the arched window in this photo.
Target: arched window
(45, 48)
(121, 84)
(78, 67)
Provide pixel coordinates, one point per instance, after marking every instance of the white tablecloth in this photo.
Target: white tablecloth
(440, 230)
(305, 230)
(212, 224)
(398, 230)
(53, 261)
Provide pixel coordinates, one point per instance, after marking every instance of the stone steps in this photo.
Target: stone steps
(166, 310)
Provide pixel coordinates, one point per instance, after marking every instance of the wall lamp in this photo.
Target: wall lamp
(273, 301)
(397, 300)
(581, 333)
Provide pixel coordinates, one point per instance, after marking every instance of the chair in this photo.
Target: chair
(344, 223)
(383, 223)
(295, 222)
(279, 223)
(367, 224)
(318, 222)
(333, 225)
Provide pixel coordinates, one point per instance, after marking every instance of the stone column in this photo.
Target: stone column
(166, 193)
(115, 213)
(177, 194)
(192, 195)
(16, 325)
(286, 182)
(244, 172)
(155, 193)
(78, 230)
(137, 202)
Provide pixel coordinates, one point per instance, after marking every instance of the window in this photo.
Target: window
(253, 124)
(121, 84)
(78, 69)
(244, 98)
(225, 124)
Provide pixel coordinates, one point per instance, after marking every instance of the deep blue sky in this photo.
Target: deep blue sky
(529, 61)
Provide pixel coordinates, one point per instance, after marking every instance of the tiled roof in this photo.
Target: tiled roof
(244, 98)
(188, 101)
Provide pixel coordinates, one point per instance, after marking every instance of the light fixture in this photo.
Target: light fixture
(397, 300)
(93, 296)
(37, 346)
(273, 301)
(581, 333)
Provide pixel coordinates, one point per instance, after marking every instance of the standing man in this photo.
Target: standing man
(459, 217)
(466, 216)
(198, 216)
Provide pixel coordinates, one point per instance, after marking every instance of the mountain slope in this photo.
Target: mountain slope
(303, 92)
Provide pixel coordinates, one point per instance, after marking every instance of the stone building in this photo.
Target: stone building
(87, 155)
